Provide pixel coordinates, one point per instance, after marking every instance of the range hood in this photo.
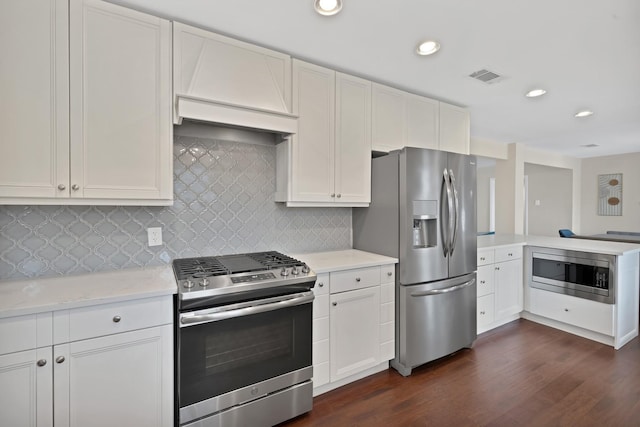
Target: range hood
(221, 80)
(225, 113)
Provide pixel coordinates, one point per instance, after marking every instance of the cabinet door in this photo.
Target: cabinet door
(118, 380)
(485, 312)
(355, 326)
(454, 129)
(422, 122)
(508, 288)
(34, 83)
(26, 388)
(353, 139)
(388, 118)
(313, 150)
(121, 127)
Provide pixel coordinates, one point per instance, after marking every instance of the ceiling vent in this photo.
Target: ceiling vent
(590, 145)
(486, 76)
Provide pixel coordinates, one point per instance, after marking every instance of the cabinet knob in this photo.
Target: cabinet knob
(566, 309)
(497, 268)
(320, 284)
(59, 359)
(357, 279)
(389, 273)
(333, 194)
(482, 282)
(75, 187)
(334, 303)
(41, 362)
(510, 254)
(116, 319)
(481, 258)
(339, 195)
(61, 187)
(482, 312)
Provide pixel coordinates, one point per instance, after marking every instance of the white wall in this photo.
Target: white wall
(629, 166)
(552, 188)
(485, 171)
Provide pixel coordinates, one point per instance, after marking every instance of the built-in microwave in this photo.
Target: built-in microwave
(581, 274)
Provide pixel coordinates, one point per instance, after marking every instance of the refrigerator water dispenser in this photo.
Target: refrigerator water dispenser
(425, 223)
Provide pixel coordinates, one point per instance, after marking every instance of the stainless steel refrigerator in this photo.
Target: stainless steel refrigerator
(423, 212)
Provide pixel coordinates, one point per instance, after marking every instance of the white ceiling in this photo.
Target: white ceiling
(585, 53)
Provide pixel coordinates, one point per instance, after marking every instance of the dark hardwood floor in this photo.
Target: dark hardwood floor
(521, 374)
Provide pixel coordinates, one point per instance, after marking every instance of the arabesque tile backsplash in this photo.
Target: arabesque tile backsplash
(224, 203)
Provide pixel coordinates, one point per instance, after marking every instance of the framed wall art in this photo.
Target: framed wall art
(610, 194)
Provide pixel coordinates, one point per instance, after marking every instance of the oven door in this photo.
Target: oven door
(236, 353)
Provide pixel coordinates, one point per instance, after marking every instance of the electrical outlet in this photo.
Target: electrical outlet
(154, 235)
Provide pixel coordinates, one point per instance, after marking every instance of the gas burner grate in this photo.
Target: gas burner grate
(189, 268)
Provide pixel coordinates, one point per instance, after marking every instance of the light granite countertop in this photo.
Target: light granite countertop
(29, 296)
(583, 245)
(323, 262)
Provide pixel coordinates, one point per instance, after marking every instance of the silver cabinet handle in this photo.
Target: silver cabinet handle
(445, 290)
(75, 187)
(510, 254)
(320, 284)
(116, 319)
(566, 309)
(333, 194)
(334, 303)
(389, 273)
(482, 282)
(357, 279)
(41, 362)
(482, 312)
(339, 195)
(59, 359)
(61, 187)
(481, 258)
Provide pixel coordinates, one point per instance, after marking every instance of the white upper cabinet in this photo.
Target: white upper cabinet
(328, 161)
(222, 80)
(454, 129)
(34, 83)
(403, 119)
(121, 131)
(105, 138)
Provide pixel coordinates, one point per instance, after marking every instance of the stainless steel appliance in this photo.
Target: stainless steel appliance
(243, 339)
(423, 211)
(581, 274)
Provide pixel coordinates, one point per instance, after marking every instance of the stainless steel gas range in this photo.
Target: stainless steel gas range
(243, 339)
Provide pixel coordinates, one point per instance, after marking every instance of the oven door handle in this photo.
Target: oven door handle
(217, 314)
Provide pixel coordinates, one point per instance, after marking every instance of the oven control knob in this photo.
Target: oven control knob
(188, 284)
(284, 272)
(295, 271)
(204, 282)
(305, 269)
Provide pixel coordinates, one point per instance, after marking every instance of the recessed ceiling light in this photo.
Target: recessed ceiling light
(535, 93)
(428, 47)
(584, 113)
(327, 7)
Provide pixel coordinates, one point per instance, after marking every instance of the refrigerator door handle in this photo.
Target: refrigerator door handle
(456, 211)
(451, 212)
(445, 221)
(445, 290)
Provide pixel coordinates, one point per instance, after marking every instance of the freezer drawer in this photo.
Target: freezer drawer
(436, 319)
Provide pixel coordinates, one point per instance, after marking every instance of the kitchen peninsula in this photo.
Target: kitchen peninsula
(613, 324)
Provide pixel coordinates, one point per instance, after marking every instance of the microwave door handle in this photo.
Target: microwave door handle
(445, 290)
(189, 319)
(456, 212)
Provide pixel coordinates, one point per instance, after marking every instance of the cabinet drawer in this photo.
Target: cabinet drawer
(322, 284)
(358, 278)
(486, 308)
(485, 256)
(591, 315)
(508, 253)
(107, 319)
(388, 273)
(486, 284)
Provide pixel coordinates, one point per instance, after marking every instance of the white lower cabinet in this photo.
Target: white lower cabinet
(353, 325)
(500, 286)
(356, 344)
(122, 375)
